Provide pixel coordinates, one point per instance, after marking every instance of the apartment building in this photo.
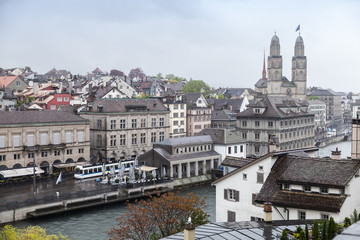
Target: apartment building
(177, 117)
(198, 113)
(125, 128)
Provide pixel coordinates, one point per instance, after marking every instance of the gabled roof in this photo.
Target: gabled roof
(236, 162)
(308, 171)
(287, 83)
(219, 104)
(321, 92)
(225, 115)
(6, 80)
(97, 71)
(261, 83)
(8, 94)
(236, 92)
(221, 135)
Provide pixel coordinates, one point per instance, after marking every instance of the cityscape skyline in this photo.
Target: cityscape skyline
(221, 43)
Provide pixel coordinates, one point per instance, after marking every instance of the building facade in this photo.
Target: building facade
(319, 109)
(177, 118)
(124, 128)
(287, 119)
(7, 99)
(50, 138)
(198, 115)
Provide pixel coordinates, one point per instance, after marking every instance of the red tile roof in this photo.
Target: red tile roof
(6, 80)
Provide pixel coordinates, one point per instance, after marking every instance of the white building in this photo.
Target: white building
(319, 109)
(298, 186)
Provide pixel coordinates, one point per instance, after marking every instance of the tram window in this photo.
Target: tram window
(108, 168)
(90, 171)
(95, 170)
(82, 171)
(116, 167)
(86, 171)
(100, 169)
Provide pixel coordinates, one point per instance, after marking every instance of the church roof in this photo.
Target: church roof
(262, 83)
(287, 83)
(275, 38)
(299, 39)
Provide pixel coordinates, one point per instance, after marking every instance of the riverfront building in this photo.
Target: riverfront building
(50, 138)
(177, 118)
(124, 128)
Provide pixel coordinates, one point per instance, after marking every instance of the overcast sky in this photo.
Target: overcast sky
(220, 42)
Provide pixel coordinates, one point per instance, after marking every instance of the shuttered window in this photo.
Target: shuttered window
(43, 139)
(260, 177)
(16, 141)
(231, 216)
(80, 136)
(2, 141)
(30, 140)
(232, 195)
(56, 138)
(68, 137)
(253, 199)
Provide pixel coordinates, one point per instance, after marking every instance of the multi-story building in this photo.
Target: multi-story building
(284, 117)
(50, 138)
(319, 109)
(123, 128)
(183, 157)
(7, 99)
(198, 114)
(177, 118)
(13, 82)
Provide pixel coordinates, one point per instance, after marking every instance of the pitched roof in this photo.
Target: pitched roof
(6, 80)
(261, 83)
(221, 135)
(167, 156)
(321, 92)
(27, 117)
(230, 104)
(186, 140)
(237, 92)
(225, 115)
(308, 171)
(237, 162)
(191, 98)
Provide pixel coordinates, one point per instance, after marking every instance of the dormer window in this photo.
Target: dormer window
(324, 190)
(307, 188)
(257, 111)
(286, 186)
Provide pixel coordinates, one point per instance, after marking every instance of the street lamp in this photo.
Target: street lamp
(36, 148)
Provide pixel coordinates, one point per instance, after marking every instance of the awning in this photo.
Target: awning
(146, 168)
(20, 172)
(66, 165)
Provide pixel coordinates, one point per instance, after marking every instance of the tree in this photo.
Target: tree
(174, 79)
(30, 233)
(196, 86)
(306, 232)
(314, 98)
(159, 216)
(159, 76)
(315, 232)
(323, 231)
(220, 96)
(136, 72)
(332, 229)
(354, 216)
(284, 235)
(115, 72)
(347, 222)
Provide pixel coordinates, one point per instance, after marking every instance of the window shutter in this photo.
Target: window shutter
(231, 216)
(260, 177)
(237, 193)
(225, 194)
(253, 198)
(16, 141)
(2, 141)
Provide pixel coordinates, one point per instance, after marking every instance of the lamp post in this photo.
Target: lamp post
(34, 180)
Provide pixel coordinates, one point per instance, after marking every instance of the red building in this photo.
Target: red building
(58, 99)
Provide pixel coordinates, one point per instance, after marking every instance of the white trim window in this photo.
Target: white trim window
(80, 137)
(43, 139)
(16, 142)
(30, 140)
(231, 195)
(68, 137)
(2, 141)
(57, 138)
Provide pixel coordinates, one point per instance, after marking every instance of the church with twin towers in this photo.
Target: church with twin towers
(273, 83)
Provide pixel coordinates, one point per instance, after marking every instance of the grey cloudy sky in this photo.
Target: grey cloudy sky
(220, 42)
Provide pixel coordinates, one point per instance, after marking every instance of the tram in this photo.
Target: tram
(90, 171)
(19, 174)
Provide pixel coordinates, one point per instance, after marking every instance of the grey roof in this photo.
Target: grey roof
(272, 106)
(191, 98)
(350, 233)
(321, 92)
(225, 115)
(127, 105)
(186, 141)
(8, 93)
(236, 162)
(229, 104)
(236, 92)
(222, 136)
(163, 153)
(261, 83)
(177, 87)
(315, 102)
(27, 117)
(287, 83)
(244, 230)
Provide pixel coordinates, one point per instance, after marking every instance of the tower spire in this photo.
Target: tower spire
(264, 71)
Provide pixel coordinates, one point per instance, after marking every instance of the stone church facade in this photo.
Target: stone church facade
(275, 84)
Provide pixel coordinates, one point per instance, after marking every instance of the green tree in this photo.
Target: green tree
(347, 222)
(159, 76)
(323, 231)
(196, 86)
(220, 96)
(332, 229)
(306, 232)
(314, 98)
(284, 235)
(315, 231)
(30, 233)
(159, 216)
(354, 216)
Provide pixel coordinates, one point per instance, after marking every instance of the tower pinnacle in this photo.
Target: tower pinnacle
(264, 70)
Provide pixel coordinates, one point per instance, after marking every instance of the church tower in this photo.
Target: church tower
(299, 68)
(274, 67)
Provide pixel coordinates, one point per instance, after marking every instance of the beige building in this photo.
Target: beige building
(50, 138)
(198, 114)
(13, 83)
(177, 117)
(124, 128)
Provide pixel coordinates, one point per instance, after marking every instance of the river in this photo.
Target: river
(94, 223)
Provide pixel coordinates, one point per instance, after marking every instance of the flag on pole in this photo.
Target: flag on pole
(59, 179)
(298, 28)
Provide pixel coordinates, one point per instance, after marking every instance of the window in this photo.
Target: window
(16, 156)
(30, 140)
(324, 216)
(143, 123)
(133, 138)
(81, 150)
(253, 197)
(260, 177)
(99, 124)
(231, 195)
(122, 123)
(2, 157)
(244, 135)
(257, 148)
(241, 148)
(229, 150)
(16, 142)
(257, 124)
(122, 140)
(68, 137)
(257, 136)
(59, 99)
(98, 140)
(302, 215)
(176, 131)
(307, 188)
(161, 136)
(286, 186)
(56, 152)
(133, 123)
(244, 176)
(244, 123)
(153, 137)
(324, 190)
(52, 107)
(112, 124)
(43, 138)
(257, 110)
(56, 138)
(182, 114)
(181, 130)
(112, 140)
(270, 124)
(31, 155)
(182, 122)
(161, 122)
(80, 137)
(231, 217)
(68, 151)
(235, 149)
(143, 138)
(66, 99)
(18, 83)
(153, 122)
(44, 154)
(175, 115)
(176, 122)
(176, 106)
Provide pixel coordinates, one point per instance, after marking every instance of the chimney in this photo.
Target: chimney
(35, 87)
(267, 212)
(336, 154)
(90, 88)
(70, 86)
(189, 230)
(273, 144)
(355, 139)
